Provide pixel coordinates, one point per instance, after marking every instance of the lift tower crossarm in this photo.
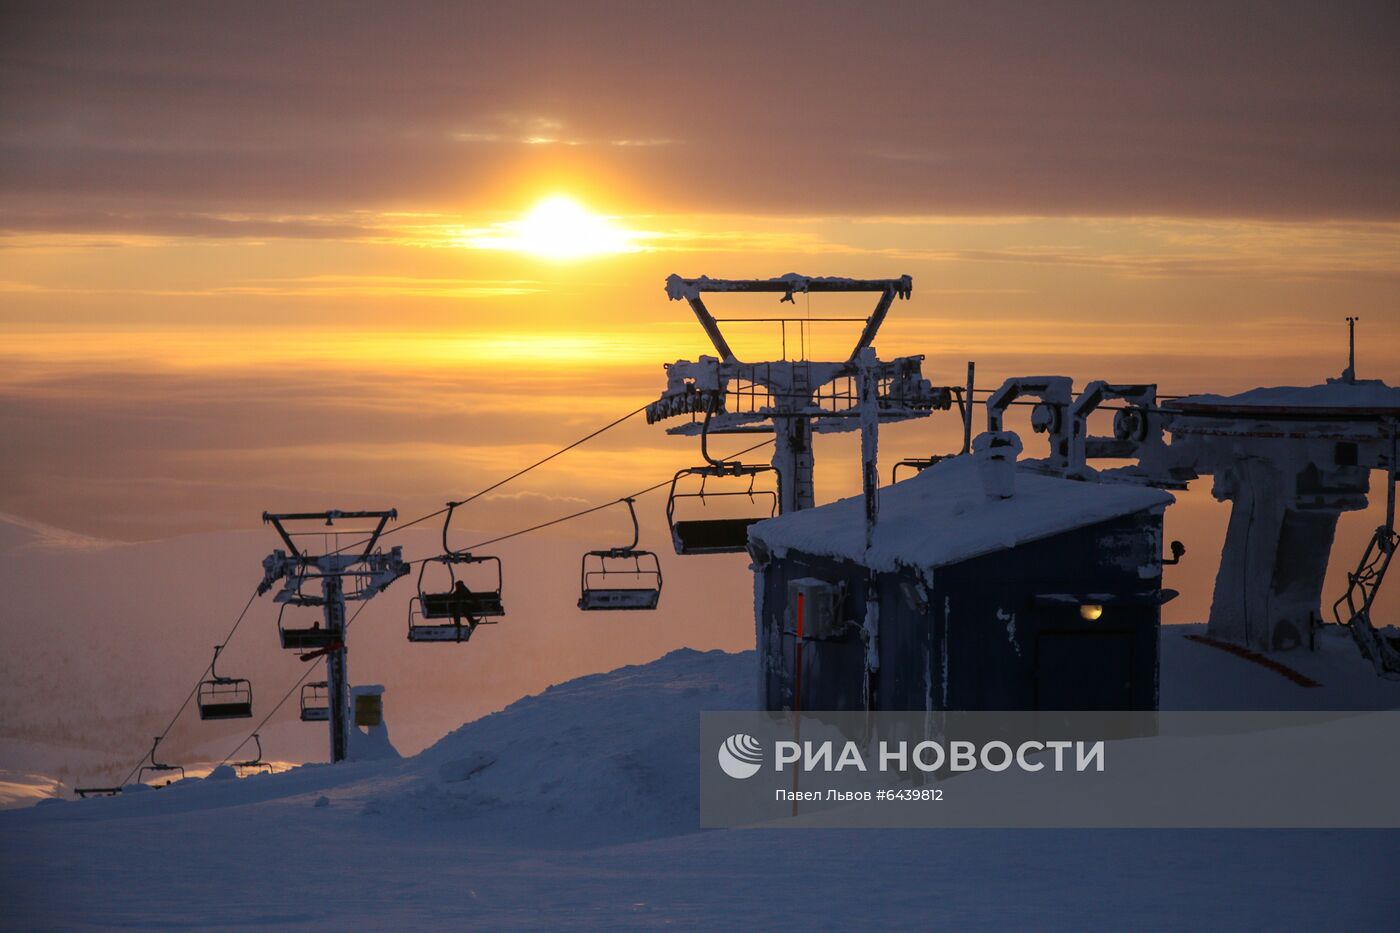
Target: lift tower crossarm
(276, 520)
(678, 288)
(792, 398)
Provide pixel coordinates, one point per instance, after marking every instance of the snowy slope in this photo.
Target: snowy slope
(1201, 677)
(605, 758)
(1364, 394)
(578, 807)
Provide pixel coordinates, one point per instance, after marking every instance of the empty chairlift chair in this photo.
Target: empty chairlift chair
(622, 577)
(468, 595)
(718, 535)
(86, 792)
(310, 638)
(224, 697)
(315, 702)
(157, 767)
(255, 763)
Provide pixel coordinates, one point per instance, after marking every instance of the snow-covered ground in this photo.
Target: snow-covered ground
(578, 807)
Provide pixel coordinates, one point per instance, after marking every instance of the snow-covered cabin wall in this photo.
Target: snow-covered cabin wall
(991, 628)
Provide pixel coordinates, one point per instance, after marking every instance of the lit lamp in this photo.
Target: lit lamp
(1090, 612)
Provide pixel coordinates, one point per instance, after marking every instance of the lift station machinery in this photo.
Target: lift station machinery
(1289, 459)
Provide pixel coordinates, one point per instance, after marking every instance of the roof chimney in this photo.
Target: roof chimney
(995, 453)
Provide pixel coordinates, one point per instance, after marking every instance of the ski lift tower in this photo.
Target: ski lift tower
(791, 398)
(354, 572)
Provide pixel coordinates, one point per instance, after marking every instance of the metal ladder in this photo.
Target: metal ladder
(1362, 587)
(803, 459)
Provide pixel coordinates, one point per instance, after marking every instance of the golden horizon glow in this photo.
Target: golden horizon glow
(558, 227)
(210, 349)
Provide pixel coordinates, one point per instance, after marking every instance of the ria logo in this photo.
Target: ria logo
(741, 756)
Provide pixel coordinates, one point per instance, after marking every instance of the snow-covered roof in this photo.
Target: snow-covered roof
(943, 516)
(1334, 396)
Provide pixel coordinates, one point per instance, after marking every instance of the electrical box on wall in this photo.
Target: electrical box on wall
(813, 609)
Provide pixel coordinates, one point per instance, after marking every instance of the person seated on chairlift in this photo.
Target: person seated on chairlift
(461, 605)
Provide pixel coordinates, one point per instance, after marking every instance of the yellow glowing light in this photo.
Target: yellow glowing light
(558, 227)
(1090, 612)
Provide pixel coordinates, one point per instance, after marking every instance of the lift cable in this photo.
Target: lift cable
(596, 508)
(423, 518)
(515, 534)
(562, 450)
(497, 485)
(985, 391)
(195, 689)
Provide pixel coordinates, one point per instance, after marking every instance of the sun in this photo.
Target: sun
(558, 227)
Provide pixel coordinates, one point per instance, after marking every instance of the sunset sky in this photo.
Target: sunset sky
(314, 256)
(353, 255)
(317, 255)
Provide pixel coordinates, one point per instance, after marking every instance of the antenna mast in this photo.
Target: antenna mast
(1350, 374)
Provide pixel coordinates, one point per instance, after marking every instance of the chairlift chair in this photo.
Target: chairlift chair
(460, 609)
(464, 601)
(917, 464)
(452, 614)
(86, 792)
(224, 697)
(604, 585)
(316, 702)
(256, 762)
(304, 639)
(157, 767)
(716, 535)
(456, 630)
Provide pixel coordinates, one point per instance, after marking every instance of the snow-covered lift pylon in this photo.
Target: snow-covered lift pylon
(358, 571)
(792, 399)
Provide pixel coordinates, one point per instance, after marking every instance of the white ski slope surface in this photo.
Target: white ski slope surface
(578, 808)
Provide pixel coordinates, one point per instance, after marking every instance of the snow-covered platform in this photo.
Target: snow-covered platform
(1333, 398)
(578, 807)
(1198, 676)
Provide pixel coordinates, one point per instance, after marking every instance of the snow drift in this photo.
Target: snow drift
(601, 759)
(487, 828)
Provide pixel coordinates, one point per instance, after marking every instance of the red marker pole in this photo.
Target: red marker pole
(797, 692)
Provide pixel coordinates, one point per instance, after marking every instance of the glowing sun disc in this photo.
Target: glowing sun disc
(559, 227)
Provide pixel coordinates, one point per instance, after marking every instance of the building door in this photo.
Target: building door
(1084, 671)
